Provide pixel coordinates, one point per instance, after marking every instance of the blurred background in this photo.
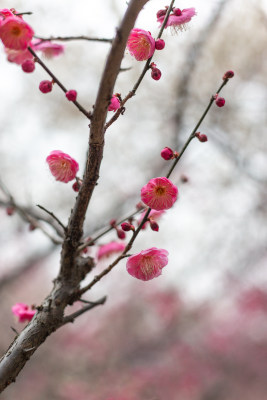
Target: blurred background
(199, 331)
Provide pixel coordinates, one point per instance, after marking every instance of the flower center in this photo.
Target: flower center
(15, 31)
(160, 191)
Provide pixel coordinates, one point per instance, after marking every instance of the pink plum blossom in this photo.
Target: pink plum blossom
(15, 33)
(62, 166)
(159, 193)
(178, 19)
(48, 48)
(114, 103)
(18, 56)
(5, 12)
(110, 248)
(147, 264)
(141, 44)
(23, 312)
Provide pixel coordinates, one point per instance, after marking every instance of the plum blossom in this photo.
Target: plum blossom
(110, 248)
(178, 18)
(62, 166)
(48, 48)
(147, 264)
(23, 312)
(15, 33)
(18, 56)
(159, 193)
(141, 44)
(114, 103)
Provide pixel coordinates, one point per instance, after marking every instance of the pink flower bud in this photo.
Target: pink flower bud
(201, 137)
(228, 75)
(156, 74)
(10, 210)
(166, 153)
(184, 178)
(125, 226)
(159, 44)
(76, 187)
(112, 222)
(28, 66)
(161, 13)
(46, 86)
(177, 12)
(220, 101)
(121, 234)
(71, 95)
(154, 225)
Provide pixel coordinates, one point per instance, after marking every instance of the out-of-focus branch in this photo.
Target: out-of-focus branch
(72, 317)
(190, 63)
(69, 38)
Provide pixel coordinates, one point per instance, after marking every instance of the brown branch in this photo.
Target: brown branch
(69, 38)
(50, 314)
(91, 304)
(53, 216)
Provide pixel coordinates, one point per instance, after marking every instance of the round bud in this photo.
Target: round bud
(177, 12)
(220, 101)
(156, 74)
(32, 227)
(112, 222)
(28, 66)
(166, 153)
(228, 75)
(46, 86)
(153, 225)
(125, 226)
(201, 137)
(159, 44)
(76, 187)
(121, 234)
(71, 95)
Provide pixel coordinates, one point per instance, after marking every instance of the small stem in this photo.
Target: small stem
(53, 216)
(25, 13)
(69, 38)
(72, 317)
(56, 80)
(141, 77)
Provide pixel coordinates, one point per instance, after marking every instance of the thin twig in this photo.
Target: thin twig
(53, 216)
(56, 80)
(97, 278)
(141, 77)
(72, 317)
(69, 38)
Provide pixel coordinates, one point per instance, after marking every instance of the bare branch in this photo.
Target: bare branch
(69, 38)
(72, 317)
(53, 216)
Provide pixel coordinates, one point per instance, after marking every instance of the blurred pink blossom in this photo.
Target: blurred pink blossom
(178, 19)
(23, 312)
(114, 103)
(48, 48)
(110, 248)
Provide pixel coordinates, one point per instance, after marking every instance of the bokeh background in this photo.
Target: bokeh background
(198, 332)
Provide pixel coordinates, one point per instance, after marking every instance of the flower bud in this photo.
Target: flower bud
(46, 86)
(166, 153)
(125, 226)
(10, 210)
(201, 137)
(220, 101)
(32, 227)
(28, 66)
(121, 234)
(71, 95)
(228, 75)
(76, 187)
(177, 12)
(155, 74)
(159, 44)
(154, 225)
(161, 13)
(112, 222)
